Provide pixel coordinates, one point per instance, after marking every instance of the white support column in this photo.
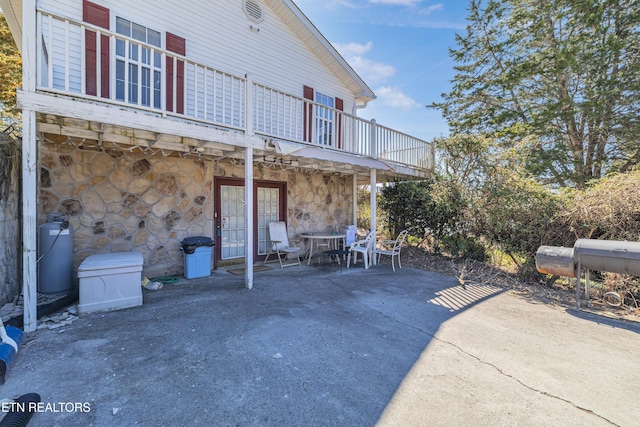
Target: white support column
(29, 169)
(248, 217)
(355, 199)
(248, 103)
(374, 178)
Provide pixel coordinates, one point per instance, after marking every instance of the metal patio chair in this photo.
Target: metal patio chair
(392, 248)
(279, 244)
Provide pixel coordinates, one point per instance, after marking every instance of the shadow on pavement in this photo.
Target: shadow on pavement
(306, 346)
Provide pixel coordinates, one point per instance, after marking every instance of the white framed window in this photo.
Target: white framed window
(138, 67)
(324, 119)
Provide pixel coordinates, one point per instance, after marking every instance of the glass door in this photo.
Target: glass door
(230, 236)
(268, 211)
(232, 242)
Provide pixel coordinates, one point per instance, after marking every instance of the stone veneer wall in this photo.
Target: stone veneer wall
(120, 200)
(10, 214)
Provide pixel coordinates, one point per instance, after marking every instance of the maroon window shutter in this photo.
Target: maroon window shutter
(340, 107)
(96, 15)
(178, 45)
(307, 93)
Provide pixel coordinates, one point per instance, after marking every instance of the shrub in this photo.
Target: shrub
(423, 208)
(513, 213)
(606, 209)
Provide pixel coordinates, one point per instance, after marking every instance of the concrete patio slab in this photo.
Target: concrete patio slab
(324, 346)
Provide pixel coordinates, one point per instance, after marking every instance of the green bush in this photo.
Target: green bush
(513, 213)
(424, 208)
(461, 245)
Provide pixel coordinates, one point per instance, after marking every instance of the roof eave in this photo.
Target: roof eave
(12, 10)
(337, 63)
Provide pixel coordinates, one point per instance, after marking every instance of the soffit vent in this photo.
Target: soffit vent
(253, 10)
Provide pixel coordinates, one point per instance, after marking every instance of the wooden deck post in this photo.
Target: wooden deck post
(374, 181)
(248, 217)
(355, 199)
(29, 169)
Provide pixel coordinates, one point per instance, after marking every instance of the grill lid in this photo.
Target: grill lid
(608, 255)
(607, 248)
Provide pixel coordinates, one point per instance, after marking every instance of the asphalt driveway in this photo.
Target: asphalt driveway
(321, 346)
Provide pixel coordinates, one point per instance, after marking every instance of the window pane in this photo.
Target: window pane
(146, 93)
(153, 37)
(133, 52)
(139, 32)
(119, 47)
(145, 56)
(157, 57)
(156, 89)
(133, 83)
(120, 80)
(123, 27)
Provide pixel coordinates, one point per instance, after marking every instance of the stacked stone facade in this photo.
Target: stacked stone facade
(119, 199)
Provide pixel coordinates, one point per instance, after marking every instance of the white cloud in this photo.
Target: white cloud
(353, 49)
(395, 98)
(371, 71)
(432, 8)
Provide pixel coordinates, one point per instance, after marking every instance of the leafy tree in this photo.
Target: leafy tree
(10, 74)
(565, 74)
(464, 159)
(423, 208)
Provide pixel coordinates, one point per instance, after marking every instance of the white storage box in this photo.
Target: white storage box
(110, 281)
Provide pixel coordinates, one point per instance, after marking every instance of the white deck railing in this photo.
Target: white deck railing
(138, 77)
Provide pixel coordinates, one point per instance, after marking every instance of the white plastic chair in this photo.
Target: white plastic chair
(279, 244)
(363, 247)
(394, 250)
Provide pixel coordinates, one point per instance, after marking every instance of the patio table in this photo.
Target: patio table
(331, 238)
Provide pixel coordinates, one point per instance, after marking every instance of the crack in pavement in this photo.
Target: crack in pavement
(544, 393)
(433, 335)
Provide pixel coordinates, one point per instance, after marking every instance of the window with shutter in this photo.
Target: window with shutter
(138, 68)
(324, 119)
(322, 123)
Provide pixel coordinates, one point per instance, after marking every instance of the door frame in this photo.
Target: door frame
(220, 181)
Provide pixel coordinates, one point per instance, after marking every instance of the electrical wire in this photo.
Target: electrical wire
(63, 226)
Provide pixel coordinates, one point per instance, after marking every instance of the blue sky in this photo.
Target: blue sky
(401, 49)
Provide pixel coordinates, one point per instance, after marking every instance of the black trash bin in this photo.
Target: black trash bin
(197, 256)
